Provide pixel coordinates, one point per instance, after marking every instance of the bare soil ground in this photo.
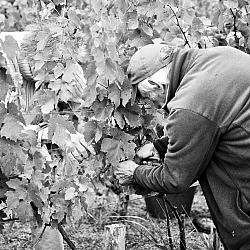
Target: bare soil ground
(89, 235)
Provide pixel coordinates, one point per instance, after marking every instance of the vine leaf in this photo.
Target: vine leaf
(58, 70)
(77, 211)
(12, 199)
(10, 47)
(119, 119)
(197, 24)
(73, 71)
(24, 211)
(131, 115)
(14, 183)
(92, 130)
(114, 94)
(126, 93)
(74, 18)
(11, 128)
(47, 100)
(70, 193)
(102, 109)
(110, 70)
(97, 5)
(3, 112)
(42, 38)
(242, 3)
(133, 22)
(71, 165)
(114, 150)
(12, 157)
(15, 112)
(118, 148)
(61, 136)
(59, 121)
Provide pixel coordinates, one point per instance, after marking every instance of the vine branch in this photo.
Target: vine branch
(180, 223)
(178, 24)
(235, 28)
(65, 237)
(168, 226)
(40, 236)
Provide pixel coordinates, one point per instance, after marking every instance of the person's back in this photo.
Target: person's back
(207, 132)
(217, 87)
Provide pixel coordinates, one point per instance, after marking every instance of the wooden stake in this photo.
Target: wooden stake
(115, 237)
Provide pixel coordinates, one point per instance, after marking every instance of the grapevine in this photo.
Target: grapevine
(78, 52)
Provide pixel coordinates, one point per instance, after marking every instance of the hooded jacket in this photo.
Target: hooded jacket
(208, 137)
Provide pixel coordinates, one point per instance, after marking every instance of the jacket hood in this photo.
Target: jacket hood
(181, 62)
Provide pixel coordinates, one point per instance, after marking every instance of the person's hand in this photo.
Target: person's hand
(124, 172)
(147, 152)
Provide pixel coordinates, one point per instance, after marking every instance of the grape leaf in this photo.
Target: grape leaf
(92, 130)
(15, 183)
(131, 114)
(42, 38)
(10, 47)
(3, 84)
(133, 22)
(88, 198)
(24, 211)
(242, 3)
(70, 193)
(12, 199)
(89, 95)
(147, 29)
(73, 71)
(3, 186)
(61, 136)
(197, 24)
(77, 211)
(126, 93)
(47, 100)
(129, 149)
(122, 5)
(81, 182)
(110, 70)
(71, 165)
(112, 51)
(12, 157)
(58, 70)
(29, 136)
(114, 150)
(102, 110)
(34, 195)
(48, 106)
(96, 5)
(188, 15)
(114, 94)
(15, 112)
(11, 128)
(74, 18)
(3, 112)
(62, 122)
(119, 119)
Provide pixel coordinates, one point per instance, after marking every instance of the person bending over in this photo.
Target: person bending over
(206, 93)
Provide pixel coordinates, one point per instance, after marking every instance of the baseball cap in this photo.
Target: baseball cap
(147, 61)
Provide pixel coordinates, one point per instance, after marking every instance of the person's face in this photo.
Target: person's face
(155, 87)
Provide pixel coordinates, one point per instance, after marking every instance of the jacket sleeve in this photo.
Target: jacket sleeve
(190, 143)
